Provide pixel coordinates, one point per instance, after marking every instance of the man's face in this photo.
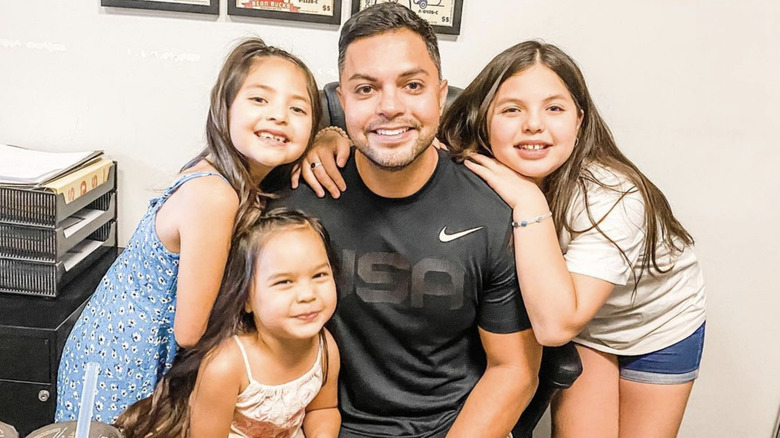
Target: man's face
(392, 97)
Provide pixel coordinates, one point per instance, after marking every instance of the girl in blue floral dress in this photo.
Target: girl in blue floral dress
(157, 296)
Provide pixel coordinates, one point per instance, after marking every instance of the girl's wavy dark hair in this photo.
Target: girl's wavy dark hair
(220, 151)
(165, 413)
(465, 129)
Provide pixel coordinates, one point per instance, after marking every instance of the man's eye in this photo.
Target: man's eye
(364, 89)
(415, 86)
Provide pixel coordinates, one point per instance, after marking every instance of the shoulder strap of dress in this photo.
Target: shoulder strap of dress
(189, 176)
(322, 356)
(246, 359)
(183, 179)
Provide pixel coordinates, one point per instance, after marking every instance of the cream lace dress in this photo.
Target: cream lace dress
(265, 411)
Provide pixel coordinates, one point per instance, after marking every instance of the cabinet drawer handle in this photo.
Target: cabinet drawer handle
(43, 395)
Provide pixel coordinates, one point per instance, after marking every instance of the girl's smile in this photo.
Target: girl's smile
(294, 292)
(533, 122)
(271, 117)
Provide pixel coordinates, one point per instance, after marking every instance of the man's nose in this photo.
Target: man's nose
(391, 103)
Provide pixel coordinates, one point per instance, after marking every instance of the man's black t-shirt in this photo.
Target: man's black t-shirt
(418, 275)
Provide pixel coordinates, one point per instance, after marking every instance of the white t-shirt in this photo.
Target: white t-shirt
(665, 308)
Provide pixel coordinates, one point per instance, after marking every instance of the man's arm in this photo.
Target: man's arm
(506, 388)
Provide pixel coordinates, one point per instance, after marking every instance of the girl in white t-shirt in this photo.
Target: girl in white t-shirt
(601, 259)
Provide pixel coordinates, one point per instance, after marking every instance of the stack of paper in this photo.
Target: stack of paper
(27, 167)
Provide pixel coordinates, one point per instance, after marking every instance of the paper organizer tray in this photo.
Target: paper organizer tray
(45, 278)
(51, 244)
(44, 208)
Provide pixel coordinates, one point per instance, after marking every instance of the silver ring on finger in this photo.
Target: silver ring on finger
(315, 165)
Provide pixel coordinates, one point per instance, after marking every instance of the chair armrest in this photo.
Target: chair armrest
(561, 365)
(560, 368)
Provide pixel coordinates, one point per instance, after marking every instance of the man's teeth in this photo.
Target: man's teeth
(532, 147)
(391, 131)
(272, 137)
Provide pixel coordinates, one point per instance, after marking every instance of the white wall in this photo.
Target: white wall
(689, 88)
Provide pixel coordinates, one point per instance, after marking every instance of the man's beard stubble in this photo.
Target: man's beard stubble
(394, 161)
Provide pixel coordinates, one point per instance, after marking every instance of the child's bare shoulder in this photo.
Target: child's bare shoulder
(219, 375)
(209, 192)
(224, 361)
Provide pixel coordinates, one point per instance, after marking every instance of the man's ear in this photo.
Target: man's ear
(443, 90)
(341, 97)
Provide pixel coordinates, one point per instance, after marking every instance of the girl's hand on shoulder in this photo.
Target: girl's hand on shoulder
(320, 167)
(512, 187)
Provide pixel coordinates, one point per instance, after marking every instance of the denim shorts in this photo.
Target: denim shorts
(675, 364)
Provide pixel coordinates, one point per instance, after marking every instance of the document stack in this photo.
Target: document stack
(57, 217)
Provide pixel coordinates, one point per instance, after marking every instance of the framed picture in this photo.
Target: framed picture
(312, 11)
(444, 15)
(196, 6)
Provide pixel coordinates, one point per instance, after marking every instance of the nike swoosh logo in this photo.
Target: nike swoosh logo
(444, 237)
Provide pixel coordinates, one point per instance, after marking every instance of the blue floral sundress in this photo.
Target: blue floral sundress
(127, 325)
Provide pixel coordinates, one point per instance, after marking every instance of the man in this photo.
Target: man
(428, 276)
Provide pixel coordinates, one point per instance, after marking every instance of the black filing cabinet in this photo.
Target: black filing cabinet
(33, 331)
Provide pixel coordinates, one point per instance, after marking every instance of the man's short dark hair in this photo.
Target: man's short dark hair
(386, 17)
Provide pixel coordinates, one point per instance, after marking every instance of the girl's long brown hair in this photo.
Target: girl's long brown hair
(165, 414)
(220, 151)
(465, 129)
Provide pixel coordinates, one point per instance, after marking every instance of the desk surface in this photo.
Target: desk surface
(48, 313)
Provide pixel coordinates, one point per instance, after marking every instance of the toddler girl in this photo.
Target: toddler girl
(265, 367)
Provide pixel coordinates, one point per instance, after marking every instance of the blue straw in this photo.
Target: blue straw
(87, 400)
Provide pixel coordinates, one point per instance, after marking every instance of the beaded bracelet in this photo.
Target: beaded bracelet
(332, 128)
(534, 220)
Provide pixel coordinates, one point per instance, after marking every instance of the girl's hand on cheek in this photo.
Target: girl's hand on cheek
(510, 185)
